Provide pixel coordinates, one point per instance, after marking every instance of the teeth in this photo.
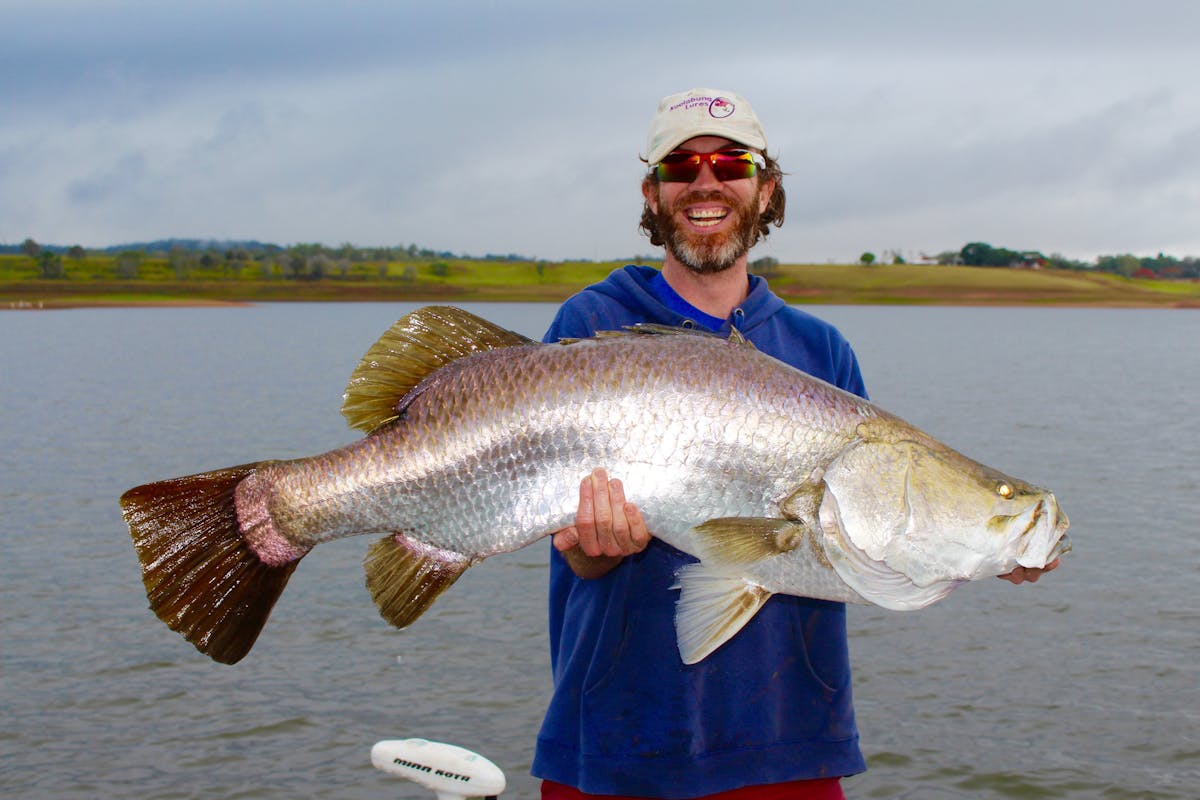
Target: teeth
(705, 217)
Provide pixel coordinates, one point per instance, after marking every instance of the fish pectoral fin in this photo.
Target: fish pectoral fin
(733, 541)
(713, 606)
(416, 346)
(405, 577)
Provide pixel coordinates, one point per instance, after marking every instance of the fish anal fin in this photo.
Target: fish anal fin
(405, 577)
(713, 606)
(202, 577)
(416, 346)
(735, 541)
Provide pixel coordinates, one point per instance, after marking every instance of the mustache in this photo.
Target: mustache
(705, 196)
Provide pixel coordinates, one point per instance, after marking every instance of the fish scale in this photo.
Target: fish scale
(497, 470)
(477, 439)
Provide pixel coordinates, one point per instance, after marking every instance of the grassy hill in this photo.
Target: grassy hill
(94, 281)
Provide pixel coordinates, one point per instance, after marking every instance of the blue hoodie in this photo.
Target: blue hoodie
(773, 704)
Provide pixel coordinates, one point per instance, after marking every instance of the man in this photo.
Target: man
(769, 714)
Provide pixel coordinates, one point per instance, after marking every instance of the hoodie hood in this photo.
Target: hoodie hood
(631, 287)
(627, 297)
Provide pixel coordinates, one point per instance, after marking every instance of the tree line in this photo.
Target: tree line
(981, 254)
(318, 261)
(230, 259)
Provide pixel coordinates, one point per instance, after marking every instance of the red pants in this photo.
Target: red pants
(821, 789)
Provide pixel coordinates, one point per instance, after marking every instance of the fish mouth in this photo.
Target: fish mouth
(1045, 537)
(1061, 547)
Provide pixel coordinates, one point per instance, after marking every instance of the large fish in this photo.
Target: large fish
(477, 439)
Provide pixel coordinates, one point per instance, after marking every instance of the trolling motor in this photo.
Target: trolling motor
(453, 772)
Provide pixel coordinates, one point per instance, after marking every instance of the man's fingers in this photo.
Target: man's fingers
(603, 515)
(638, 535)
(565, 539)
(594, 520)
(585, 519)
(606, 523)
(1029, 574)
(620, 522)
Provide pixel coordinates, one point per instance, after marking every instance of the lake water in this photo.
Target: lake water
(1083, 686)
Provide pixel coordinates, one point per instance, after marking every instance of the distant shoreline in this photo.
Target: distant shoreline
(100, 302)
(476, 281)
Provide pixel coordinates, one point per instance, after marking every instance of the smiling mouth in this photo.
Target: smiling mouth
(707, 217)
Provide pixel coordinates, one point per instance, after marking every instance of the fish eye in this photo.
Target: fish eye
(1004, 490)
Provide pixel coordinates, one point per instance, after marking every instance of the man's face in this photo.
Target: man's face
(708, 224)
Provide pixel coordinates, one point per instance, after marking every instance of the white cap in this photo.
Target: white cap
(702, 112)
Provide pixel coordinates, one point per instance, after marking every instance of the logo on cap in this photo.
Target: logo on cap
(720, 108)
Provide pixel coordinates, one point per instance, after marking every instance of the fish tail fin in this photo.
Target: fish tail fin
(202, 578)
(405, 576)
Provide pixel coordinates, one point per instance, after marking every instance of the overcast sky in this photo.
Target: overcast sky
(1067, 126)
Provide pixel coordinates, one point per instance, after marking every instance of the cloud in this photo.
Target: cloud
(126, 171)
(515, 127)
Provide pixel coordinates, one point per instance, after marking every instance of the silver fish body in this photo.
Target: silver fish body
(488, 457)
(776, 481)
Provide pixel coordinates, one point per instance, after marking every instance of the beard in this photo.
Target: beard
(708, 253)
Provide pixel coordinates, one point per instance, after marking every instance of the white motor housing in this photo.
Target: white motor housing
(451, 771)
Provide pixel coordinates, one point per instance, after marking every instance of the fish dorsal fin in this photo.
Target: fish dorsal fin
(655, 329)
(651, 329)
(417, 345)
(736, 337)
(713, 606)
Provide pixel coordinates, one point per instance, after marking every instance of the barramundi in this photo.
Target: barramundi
(477, 439)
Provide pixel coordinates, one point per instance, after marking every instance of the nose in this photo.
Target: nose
(707, 177)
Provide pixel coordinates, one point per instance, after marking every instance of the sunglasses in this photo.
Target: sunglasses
(727, 165)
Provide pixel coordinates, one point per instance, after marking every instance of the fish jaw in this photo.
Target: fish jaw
(1046, 538)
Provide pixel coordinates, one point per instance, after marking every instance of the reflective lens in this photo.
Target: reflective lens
(727, 165)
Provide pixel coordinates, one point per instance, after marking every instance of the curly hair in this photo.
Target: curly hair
(771, 215)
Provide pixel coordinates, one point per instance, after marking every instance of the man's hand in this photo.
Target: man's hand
(607, 528)
(1029, 574)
